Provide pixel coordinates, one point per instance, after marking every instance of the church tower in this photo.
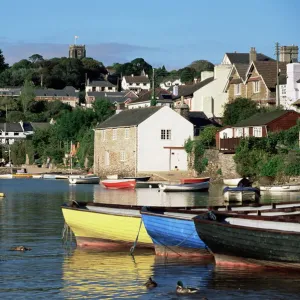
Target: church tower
(77, 51)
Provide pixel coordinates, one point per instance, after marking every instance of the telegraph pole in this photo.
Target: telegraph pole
(277, 75)
(153, 100)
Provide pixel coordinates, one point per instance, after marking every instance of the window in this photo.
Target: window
(144, 84)
(106, 158)
(224, 135)
(165, 134)
(94, 89)
(237, 89)
(6, 133)
(122, 156)
(114, 137)
(238, 132)
(103, 135)
(16, 133)
(257, 131)
(256, 86)
(137, 84)
(126, 133)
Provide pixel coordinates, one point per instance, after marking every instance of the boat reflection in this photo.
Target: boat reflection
(226, 278)
(96, 275)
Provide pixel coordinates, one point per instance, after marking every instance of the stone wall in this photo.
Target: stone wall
(220, 165)
(107, 152)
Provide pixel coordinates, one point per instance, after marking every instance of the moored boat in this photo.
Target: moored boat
(106, 226)
(6, 176)
(281, 188)
(37, 176)
(141, 178)
(147, 184)
(194, 180)
(84, 179)
(173, 232)
(252, 241)
(49, 176)
(22, 175)
(191, 187)
(241, 194)
(112, 177)
(61, 176)
(232, 181)
(119, 183)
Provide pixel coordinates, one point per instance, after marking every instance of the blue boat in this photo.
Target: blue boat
(173, 232)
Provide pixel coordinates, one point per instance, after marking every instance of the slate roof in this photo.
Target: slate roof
(68, 91)
(268, 71)
(186, 90)
(137, 79)
(112, 96)
(11, 127)
(243, 58)
(160, 94)
(242, 70)
(129, 117)
(199, 119)
(262, 118)
(101, 83)
(10, 91)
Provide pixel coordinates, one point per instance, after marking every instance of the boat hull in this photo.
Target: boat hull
(173, 236)
(106, 231)
(6, 176)
(84, 180)
(119, 184)
(192, 187)
(280, 188)
(251, 247)
(143, 179)
(232, 182)
(241, 194)
(194, 180)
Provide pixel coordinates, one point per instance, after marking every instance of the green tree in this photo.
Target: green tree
(22, 64)
(35, 58)
(187, 75)
(103, 109)
(238, 110)
(3, 65)
(27, 96)
(200, 66)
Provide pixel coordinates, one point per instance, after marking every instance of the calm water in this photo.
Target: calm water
(30, 215)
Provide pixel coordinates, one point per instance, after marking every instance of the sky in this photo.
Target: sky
(163, 32)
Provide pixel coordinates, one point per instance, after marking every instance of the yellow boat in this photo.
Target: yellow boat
(22, 175)
(106, 226)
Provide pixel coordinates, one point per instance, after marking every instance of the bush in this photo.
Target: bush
(273, 166)
(208, 136)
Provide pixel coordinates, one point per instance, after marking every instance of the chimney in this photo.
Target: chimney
(252, 55)
(175, 90)
(182, 108)
(288, 54)
(131, 75)
(195, 80)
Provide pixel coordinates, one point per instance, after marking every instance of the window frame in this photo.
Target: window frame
(126, 133)
(257, 131)
(122, 155)
(256, 87)
(237, 89)
(115, 134)
(165, 134)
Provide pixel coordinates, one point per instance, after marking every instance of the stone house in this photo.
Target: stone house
(141, 141)
(258, 125)
(135, 83)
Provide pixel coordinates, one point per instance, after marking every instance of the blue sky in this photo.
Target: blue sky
(173, 33)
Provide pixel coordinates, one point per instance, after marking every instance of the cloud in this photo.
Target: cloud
(108, 53)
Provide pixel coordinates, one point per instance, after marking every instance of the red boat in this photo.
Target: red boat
(194, 180)
(119, 183)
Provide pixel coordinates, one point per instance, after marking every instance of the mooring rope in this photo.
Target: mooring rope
(135, 242)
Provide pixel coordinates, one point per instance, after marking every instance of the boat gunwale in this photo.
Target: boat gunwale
(217, 223)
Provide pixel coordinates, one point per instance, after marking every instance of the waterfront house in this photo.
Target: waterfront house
(258, 125)
(141, 141)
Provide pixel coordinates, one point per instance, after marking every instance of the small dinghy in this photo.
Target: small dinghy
(240, 194)
(281, 188)
(193, 187)
(84, 179)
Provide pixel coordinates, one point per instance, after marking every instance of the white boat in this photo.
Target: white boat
(84, 179)
(240, 194)
(49, 176)
(193, 187)
(232, 181)
(6, 176)
(61, 176)
(37, 176)
(112, 177)
(281, 188)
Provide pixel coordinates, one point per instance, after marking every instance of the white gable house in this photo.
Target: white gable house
(136, 83)
(141, 141)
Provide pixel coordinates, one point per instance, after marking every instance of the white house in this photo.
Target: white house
(293, 83)
(141, 141)
(169, 82)
(135, 83)
(210, 98)
(100, 86)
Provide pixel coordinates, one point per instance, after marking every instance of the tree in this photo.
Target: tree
(238, 110)
(187, 75)
(93, 68)
(36, 58)
(200, 66)
(22, 64)
(3, 65)
(103, 109)
(27, 95)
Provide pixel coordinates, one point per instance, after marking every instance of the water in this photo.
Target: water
(30, 215)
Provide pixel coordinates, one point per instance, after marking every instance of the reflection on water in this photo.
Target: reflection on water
(30, 215)
(119, 275)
